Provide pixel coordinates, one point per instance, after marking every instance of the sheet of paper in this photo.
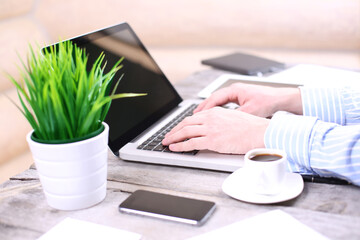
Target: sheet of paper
(308, 75)
(73, 229)
(317, 76)
(271, 225)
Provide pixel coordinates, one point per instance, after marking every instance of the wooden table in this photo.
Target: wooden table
(332, 210)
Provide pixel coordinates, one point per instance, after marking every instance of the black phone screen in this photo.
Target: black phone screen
(169, 207)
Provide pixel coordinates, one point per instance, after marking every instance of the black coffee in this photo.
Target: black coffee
(266, 157)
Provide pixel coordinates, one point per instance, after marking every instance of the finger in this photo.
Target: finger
(200, 106)
(244, 108)
(219, 98)
(189, 145)
(204, 103)
(215, 99)
(183, 134)
(195, 119)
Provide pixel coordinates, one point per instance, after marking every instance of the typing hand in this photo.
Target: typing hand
(258, 100)
(218, 129)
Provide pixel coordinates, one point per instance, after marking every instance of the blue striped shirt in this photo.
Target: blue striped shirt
(325, 141)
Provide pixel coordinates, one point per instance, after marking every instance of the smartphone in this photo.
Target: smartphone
(164, 206)
(245, 64)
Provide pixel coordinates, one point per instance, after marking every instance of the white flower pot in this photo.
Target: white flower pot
(73, 175)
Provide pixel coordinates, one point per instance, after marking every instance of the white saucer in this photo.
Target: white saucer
(235, 186)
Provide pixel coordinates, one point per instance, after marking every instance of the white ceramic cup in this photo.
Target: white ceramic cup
(265, 177)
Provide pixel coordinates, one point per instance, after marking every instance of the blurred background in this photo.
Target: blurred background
(179, 34)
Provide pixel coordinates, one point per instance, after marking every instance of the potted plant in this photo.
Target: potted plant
(66, 105)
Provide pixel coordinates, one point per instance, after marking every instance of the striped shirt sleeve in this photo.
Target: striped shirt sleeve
(326, 140)
(341, 106)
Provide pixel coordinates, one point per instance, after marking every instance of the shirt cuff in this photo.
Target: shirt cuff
(323, 103)
(292, 133)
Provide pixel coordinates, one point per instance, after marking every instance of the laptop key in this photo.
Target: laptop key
(148, 147)
(154, 142)
(168, 150)
(141, 146)
(159, 148)
(191, 152)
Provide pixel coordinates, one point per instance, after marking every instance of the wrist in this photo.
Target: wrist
(289, 100)
(261, 130)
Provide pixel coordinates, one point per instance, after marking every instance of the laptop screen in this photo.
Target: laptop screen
(128, 117)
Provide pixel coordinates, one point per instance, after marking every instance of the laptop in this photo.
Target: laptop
(133, 121)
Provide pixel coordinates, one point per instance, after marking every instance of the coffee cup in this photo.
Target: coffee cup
(265, 170)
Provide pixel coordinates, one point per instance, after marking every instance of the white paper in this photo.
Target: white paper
(73, 229)
(308, 75)
(271, 225)
(317, 76)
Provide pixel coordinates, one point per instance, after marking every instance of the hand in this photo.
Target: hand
(218, 129)
(258, 100)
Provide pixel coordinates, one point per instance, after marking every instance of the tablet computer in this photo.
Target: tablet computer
(226, 80)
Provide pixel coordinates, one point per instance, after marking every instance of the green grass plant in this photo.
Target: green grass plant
(61, 99)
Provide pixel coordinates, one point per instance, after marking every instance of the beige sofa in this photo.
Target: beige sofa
(178, 34)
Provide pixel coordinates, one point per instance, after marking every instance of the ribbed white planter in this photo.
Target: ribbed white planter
(73, 175)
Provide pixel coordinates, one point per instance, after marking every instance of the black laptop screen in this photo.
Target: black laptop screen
(128, 117)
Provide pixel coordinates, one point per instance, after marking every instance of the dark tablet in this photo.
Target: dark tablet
(245, 64)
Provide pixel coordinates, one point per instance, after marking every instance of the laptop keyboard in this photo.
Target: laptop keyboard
(153, 143)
